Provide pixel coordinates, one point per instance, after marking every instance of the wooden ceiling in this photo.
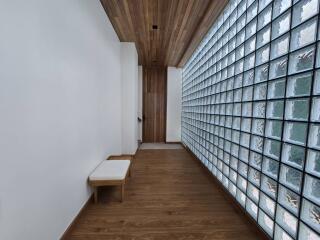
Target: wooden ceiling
(181, 24)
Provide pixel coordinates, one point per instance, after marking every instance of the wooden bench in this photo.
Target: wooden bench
(109, 173)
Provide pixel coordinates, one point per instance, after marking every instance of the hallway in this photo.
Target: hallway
(167, 197)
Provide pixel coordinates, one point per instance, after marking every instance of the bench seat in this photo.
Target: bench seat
(109, 173)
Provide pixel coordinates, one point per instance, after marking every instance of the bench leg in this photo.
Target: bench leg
(95, 194)
(122, 192)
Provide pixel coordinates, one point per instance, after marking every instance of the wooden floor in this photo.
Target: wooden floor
(169, 196)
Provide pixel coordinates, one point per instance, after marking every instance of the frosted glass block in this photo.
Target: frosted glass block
(254, 176)
(267, 204)
(269, 186)
(287, 220)
(241, 22)
(313, 162)
(252, 11)
(246, 124)
(249, 62)
(316, 85)
(263, 37)
(274, 129)
(238, 67)
(281, 25)
(240, 52)
(304, 10)
(251, 29)
(245, 139)
(232, 189)
(305, 233)
(253, 193)
(280, 234)
(259, 109)
(242, 183)
(264, 17)
(244, 154)
(272, 148)
(304, 34)
(301, 60)
(314, 136)
(241, 197)
(257, 143)
(270, 167)
(278, 68)
(280, 46)
(262, 55)
(250, 45)
(241, 37)
(252, 208)
(276, 89)
(295, 132)
(297, 109)
(315, 113)
(260, 92)
(291, 178)
(280, 6)
(237, 95)
(263, 4)
(311, 189)
(310, 214)
(243, 168)
(275, 109)
(261, 73)
(289, 199)
(299, 85)
(247, 94)
(293, 155)
(258, 126)
(233, 176)
(247, 109)
(265, 222)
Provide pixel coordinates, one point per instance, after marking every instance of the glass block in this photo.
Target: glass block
(267, 204)
(291, 178)
(246, 124)
(245, 139)
(232, 189)
(310, 214)
(280, 46)
(265, 222)
(304, 10)
(257, 143)
(233, 176)
(299, 85)
(281, 25)
(261, 73)
(259, 109)
(258, 126)
(247, 94)
(247, 109)
(304, 34)
(275, 109)
(278, 68)
(280, 234)
(293, 155)
(254, 176)
(269, 186)
(260, 91)
(280, 6)
(244, 154)
(274, 129)
(297, 109)
(315, 113)
(264, 17)
(262, 55)
(272, 148)
(241, 37)
(276, 89)
(314, 136)
(270, 167)
(287, 220)
(295, 132)
(305, 233)
(249, 62)
(311, 189)
(252, 11)
(252, 208)
(263, 4)
(251, 29)
(253, 193)
(241, 183)
(263, 37)
(289, 199)
(313, 163)
(316, 85)
(248, 78)
(250, 45)
(301, 60)
(241, 197)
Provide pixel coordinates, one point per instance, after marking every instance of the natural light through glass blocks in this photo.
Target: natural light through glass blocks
(251, 111)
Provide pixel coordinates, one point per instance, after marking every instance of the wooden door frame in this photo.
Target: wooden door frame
(165, 102)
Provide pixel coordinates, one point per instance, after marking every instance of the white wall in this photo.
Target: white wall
(129, 81)
(174, 85)
(60, 97)
(140, 113)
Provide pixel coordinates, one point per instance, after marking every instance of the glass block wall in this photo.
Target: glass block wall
(251, 111)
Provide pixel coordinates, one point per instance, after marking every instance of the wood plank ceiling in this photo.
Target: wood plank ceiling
(181, 24)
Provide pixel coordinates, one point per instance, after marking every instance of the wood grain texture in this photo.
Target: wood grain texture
(181, 26)
(168, 198)
(154, 104)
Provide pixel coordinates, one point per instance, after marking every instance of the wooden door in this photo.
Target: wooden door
(154, 104)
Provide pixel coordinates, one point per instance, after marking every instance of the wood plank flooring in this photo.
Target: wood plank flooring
(169, 196)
